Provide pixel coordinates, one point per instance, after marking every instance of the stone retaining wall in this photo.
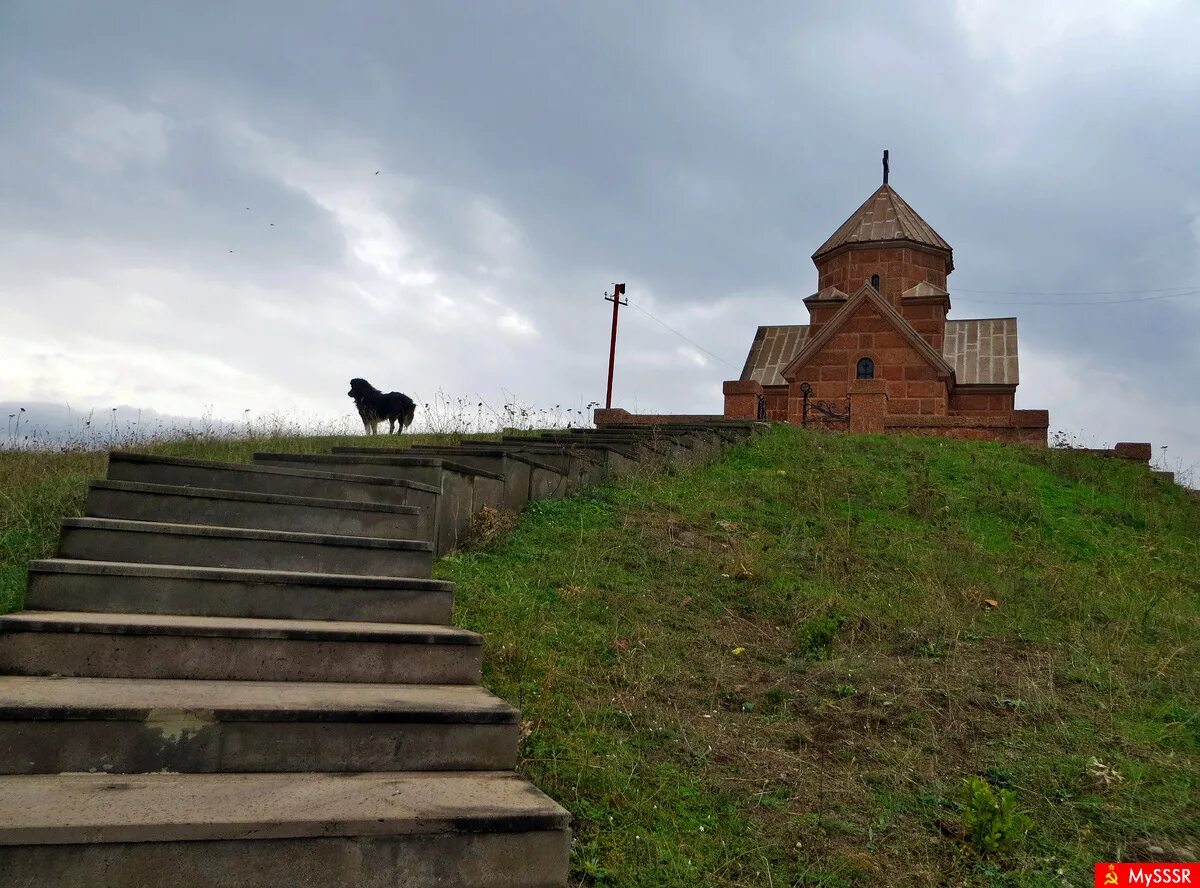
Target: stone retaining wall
(619, 416)
(1018, 427)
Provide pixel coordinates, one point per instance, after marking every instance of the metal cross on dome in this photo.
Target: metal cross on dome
(885, 166)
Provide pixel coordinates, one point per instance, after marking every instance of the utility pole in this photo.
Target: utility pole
(615, 299)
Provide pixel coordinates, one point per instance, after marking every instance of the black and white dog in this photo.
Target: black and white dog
(374, 407)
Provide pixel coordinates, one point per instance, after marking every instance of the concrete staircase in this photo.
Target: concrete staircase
(243, 675)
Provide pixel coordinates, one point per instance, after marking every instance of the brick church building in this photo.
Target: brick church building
(879, 352)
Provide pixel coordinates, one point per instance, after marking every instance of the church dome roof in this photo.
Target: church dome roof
(885, 217)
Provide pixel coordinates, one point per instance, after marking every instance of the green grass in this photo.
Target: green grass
(779, 669)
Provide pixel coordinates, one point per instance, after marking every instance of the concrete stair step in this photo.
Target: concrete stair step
(289, 481)
(649, 433)
(620, 442)
(696, 434)
(465, 452)
(595, 462)
(464, 490)
(457, 830)
(104, 645)
(726, 433)
(252, 667)
(704, 445)
(118, 725)
(177, 504)
(525, 478)
(669, 445)
(613, 432)
(582, 466)
(667, 426)
(153, 542)
(619, 458)
(625, 446)
(405, 465)
(564, 441)
(126, 587)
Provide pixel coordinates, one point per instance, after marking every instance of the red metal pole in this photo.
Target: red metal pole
(615, 299)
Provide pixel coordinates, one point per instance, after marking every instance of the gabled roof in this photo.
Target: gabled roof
(925, 290)
(829, 294)
(771, 351)
(884, 217)
(867, 293)
(983, 351)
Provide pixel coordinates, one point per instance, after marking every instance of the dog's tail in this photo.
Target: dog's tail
(410, 412)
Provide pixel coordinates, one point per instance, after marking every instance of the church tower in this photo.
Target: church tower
(886, 244)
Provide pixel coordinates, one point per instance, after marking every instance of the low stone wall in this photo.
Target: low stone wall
(1018, 427)
(620, 416)
(741, 399)
(1136, 451)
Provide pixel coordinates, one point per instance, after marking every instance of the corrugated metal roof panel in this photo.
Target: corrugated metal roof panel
(982, 351)
(772, 350)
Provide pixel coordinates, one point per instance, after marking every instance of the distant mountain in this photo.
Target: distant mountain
(46, 424)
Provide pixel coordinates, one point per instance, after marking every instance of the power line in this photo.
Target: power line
(1075, 292)
(1139, 296)
(1045, 304)
(680, 335)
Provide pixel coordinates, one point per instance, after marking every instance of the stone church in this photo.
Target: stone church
(879, 352)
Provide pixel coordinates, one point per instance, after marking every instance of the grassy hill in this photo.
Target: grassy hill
(780, 669)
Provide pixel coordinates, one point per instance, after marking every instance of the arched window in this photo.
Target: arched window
(866, 369)
(875, 282)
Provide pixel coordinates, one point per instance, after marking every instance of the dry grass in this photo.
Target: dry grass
(490, 525)
(44, 477)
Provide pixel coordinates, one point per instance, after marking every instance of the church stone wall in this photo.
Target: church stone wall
(927, 317)
(982, 402)
(912, 385)
(777, 402)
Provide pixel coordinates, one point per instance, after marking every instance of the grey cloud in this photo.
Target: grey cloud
(532, 153)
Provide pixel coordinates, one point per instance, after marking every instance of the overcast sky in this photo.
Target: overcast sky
(191, 216)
